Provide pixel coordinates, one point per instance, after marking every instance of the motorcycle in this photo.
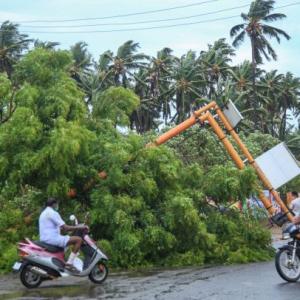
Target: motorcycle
(41, 261)
(287, 259)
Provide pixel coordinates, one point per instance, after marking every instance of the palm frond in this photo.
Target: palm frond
(127, 49)
(235, 29)
(274, 32)
(239, 39)
(273, 17)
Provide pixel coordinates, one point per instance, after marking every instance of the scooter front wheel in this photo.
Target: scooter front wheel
(99, 273)
(28, 278)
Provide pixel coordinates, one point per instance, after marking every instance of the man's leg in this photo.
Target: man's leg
(76, 242)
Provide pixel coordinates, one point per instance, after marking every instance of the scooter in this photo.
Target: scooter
(287, 259)
(41, 261)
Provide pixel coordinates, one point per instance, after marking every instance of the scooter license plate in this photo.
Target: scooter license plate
(17, 266)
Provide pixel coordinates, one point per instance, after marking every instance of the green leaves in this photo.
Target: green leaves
(43, 67)
(228, 184)
(115, 104)
(45, 137)
(7, 99)
(151, 208)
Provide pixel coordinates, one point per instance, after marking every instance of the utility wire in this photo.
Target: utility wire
(152, 27)
(136, 29)
(121, 15)
(138, 22)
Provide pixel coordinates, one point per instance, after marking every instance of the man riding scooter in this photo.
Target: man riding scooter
(50, 226)
(45, 259)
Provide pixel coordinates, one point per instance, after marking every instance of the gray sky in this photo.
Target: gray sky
(180, 39)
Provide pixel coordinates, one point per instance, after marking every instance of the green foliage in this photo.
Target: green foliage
(42, 67)
(17, 221)
(258, 143)
(228, 183)
(240, 238)
(151, 209)
(45, 137)
(189, 258)
(5, 90)
(116, 104)
(201, 146)
(151, 215)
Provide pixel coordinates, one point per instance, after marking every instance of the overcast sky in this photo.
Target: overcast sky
(180, 39)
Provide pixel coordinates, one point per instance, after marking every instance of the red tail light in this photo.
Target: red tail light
(22, 253)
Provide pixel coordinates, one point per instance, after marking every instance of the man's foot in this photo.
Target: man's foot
(71, 268)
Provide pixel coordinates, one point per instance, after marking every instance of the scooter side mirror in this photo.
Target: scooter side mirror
(73, 219)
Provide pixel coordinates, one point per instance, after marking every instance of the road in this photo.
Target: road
(250, 281)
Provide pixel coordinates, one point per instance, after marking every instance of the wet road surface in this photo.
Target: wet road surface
(250, 281)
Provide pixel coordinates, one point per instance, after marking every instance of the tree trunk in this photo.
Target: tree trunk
(283, 125)
(254, 100)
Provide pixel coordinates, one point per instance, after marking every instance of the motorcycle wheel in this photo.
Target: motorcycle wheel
(99, 273)
(286, 269)
(28, 278)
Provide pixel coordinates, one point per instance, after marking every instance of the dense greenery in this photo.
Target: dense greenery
(64, 117)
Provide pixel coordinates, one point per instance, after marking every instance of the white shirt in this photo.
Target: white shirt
(295, 205)
(50, 222)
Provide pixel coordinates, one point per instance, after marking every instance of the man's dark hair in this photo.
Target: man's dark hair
(51, 201)
(295, 194)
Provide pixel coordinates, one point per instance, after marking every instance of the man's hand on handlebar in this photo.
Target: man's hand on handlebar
(296, 220)
(83, 227)
(66, 227)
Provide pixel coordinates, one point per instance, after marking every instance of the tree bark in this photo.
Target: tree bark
(254, 100)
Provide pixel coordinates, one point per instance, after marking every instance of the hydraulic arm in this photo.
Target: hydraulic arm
(204, 115)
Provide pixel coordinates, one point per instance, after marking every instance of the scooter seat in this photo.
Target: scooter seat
(48, 247)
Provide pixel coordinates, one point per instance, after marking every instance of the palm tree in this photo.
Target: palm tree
(159, 79)
(45, 45)
(82, 60)
(256, 28)
(215, 65)
(289, 100)
(12, 46)
(186, 85)
(293, 142)
(124, 64)
(146, 116)
(152, 85)
(92, 85)
(270, 86)
(96, 80)
(241, 76)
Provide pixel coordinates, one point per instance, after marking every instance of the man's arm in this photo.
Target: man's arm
(66, 227)
(56, 218)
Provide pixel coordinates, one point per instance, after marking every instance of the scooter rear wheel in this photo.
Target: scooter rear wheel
(99, 273)
(28, 278)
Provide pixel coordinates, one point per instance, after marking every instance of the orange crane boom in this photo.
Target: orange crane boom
(203, 115)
